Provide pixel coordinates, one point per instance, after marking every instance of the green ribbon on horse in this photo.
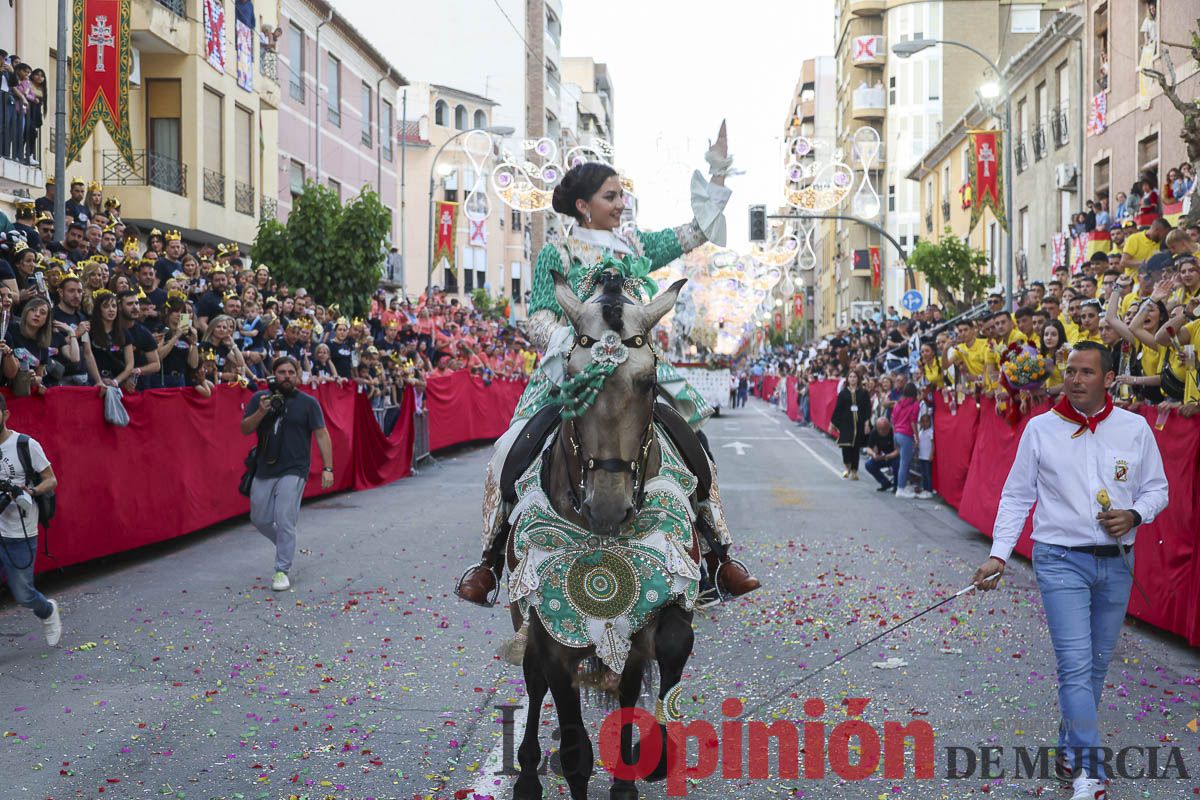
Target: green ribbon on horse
(635, 269)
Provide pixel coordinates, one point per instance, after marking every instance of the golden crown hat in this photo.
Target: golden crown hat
(45, 216)
(295, 323)
(155, 232)
(50, 181)
(334, 310)
(177, 296)
(210, 355)
(358, 321)
(101, 294)
(141, 294)
(25, 207)
(131, 242)
(78, 181)
(110, 228)
(151, 260)
(100, 258)
(69, 274)
(19, 246)
(372, 350)
(218, 269)
(342, 321)
(112, 202)
(220, 250)
(173, 236)
(231, 295)
(95, 186)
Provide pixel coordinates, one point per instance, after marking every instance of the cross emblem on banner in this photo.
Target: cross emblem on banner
(986, 157)
(864, 47)
(100, 37)
(477, 229)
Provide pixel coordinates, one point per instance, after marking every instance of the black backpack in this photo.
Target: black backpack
(46, 503)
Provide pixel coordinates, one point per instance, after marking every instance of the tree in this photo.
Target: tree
(1190, 133)
(334, 251)
(955, 269)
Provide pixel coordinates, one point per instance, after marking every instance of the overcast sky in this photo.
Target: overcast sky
(678, 67)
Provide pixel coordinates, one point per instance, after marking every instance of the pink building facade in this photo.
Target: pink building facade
(342, 135)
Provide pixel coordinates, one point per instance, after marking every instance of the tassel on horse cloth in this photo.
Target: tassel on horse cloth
(512, 651)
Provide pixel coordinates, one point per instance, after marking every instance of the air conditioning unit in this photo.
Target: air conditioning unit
(1064, 176)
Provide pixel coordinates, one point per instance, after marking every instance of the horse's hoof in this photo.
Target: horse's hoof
(624, 791)
(530, 789)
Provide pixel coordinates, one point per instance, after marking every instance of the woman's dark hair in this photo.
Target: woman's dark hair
(1062, 337)
(580, 183)
(97, 332)
(909, 390)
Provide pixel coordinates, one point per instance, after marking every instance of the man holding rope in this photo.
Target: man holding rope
(1096, 474)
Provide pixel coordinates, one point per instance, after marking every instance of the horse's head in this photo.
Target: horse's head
(612, 362)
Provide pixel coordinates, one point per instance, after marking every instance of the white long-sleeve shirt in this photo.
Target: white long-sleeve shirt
(1063, 475)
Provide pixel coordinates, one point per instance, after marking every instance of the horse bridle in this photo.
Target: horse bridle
(636, 467)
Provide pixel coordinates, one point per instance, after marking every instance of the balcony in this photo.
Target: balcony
(806, 110)
(867, 8)
(945, 211)
(161, 27)
(1060, 127)
(243, 198)
(268, 69)
(808, 74)
(1039, 143)
(869, 102)
(1021, 156)
(868, 51)
(149, 169)
(214, 186)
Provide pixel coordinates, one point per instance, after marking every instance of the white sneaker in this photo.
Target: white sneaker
(1088, 789)
(53, 625)
(280, 582)
(906, 492)
(923, 495)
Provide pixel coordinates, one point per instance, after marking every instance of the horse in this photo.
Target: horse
(594, 475)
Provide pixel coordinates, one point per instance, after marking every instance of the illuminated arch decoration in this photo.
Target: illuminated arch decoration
(866, 150)
(478, 146)
(528, 184)
(815, 186)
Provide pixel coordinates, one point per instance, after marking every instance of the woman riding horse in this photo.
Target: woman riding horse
(592, 194)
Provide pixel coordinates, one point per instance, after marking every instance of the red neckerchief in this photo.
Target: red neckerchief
(1067, 411)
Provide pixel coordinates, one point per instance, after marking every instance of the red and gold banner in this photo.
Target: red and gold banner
(798, 305)
(100, 66)
(779, 322)
(876, 267)
(986, 176)
(447, 227)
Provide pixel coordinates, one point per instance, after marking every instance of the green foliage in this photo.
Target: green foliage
(334, 251)
(491, 308)
(955, 269)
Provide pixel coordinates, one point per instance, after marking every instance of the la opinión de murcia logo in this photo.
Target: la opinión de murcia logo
(737, 749)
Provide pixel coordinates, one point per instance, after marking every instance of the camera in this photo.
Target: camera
(277, 398)
(9, 491)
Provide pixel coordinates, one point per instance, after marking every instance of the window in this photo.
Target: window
(164, 106)
(333, 96)
(295, 50)
(1147, 154)
(1025, 18)
(368, 118)
(243, 127)
(965, 166)
(480, 118)
(441, 113)
(296, 177)
(214, 132)
(460, 118)
(1148, 26)
(336, 187)
(516, 222)
(892, 91)
(385, 129)
(516, 282)
(1100, 48)
(891, 197)
(1101, 179)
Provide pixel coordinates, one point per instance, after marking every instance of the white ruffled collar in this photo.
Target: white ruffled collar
(609, 240)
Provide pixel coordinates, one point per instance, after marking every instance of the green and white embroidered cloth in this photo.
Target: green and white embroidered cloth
(599, 591)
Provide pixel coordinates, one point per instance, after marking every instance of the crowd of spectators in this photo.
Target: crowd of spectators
(107, 308)
(1141, 205)
(22, 108)
(1140, 301)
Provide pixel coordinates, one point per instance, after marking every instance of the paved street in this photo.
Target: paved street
(181, 674)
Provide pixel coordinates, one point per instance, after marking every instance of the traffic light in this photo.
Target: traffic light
(758, 223)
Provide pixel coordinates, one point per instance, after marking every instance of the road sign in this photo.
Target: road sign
(740, 447)
(912, 300)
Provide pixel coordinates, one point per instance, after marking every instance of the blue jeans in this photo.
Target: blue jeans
(926, 468)
(17, 557)
(905, 445)
(876, 466)
(1085, 597)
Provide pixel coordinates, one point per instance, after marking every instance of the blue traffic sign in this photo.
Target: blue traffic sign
(912, 300)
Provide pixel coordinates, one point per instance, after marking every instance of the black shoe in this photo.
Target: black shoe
(887, 487)
(708, 594)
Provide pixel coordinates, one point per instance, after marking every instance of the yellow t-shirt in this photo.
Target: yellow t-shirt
(1139, 247)
(933, 374)
(1081, 336)
(1069, 327)
(973, 358)
(1129, 301)
(1181, 295)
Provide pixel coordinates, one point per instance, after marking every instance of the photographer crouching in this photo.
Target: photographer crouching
(26, 483)
(286, 421)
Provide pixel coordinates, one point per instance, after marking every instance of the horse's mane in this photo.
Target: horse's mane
(612, 299)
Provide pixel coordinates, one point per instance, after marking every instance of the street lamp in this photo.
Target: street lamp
(990, 90)
(495, 130)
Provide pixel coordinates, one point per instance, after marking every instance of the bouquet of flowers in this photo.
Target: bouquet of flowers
(1024, 369)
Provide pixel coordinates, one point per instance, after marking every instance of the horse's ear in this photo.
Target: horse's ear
(663, 302)
(567, 301)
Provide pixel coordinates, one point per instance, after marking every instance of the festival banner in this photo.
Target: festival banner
(876, 267)
(1098, 116)
(447, 228)
(986, 178)
(214, 34)
(1058, 244)
(100, 78)
(477, 236)
(798, 305)
(1079, 249)
(245, 56)
(779, 322)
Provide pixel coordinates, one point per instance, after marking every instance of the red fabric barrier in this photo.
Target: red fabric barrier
(793, 399)
(766, 386)
(461, 409)
(1167, 551)
(175, 468)
(822, 397)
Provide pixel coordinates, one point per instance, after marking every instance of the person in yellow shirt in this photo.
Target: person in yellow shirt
(1178, 243)
(1188, 281)
(1179, 378)
(1054, 347)
(1089, 323)
(1024, 318)
(1089, 287)
(970, 353)
(1070, 320)
(1143, 244)
(1145, 373)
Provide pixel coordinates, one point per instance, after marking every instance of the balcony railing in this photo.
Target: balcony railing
(214, 186)
(148, 169)
(1039, 143)
(268, 64)
(929, 220)
(268, 207)
(243, 198)
(1059, 127)
(1021, 154)
(945, 211)
(177, 6)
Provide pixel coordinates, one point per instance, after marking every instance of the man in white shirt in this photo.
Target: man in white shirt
(19, 521)
(1096, 474)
